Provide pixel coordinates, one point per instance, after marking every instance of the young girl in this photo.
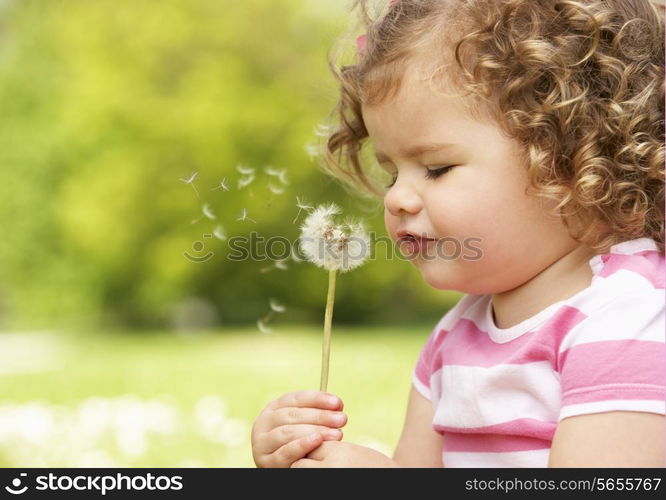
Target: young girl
(536, 127)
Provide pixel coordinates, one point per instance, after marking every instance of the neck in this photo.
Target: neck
(562, 279)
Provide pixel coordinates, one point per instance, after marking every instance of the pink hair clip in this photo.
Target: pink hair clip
(361, 41)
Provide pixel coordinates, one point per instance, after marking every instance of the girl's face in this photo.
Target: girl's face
(492, 236)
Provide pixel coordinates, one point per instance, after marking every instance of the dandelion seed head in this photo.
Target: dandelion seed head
(335, 247)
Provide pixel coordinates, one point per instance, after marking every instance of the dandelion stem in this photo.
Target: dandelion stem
(328, 319)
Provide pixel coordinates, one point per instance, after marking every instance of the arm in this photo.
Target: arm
(419, 445)
(612, 439)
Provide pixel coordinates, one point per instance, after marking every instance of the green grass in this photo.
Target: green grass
(153, 381)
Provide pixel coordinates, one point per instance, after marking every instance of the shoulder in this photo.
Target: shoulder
(626, 299)
(637, 263)
(425, 365)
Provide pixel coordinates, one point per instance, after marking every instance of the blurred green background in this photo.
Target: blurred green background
(117, 349)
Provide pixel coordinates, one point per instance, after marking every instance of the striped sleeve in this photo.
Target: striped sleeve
(426, 360)
(615, 359)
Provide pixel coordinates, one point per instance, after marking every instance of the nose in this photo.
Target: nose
(402, 197)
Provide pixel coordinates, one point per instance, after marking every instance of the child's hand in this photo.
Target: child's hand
(335, 454)
(295, 424)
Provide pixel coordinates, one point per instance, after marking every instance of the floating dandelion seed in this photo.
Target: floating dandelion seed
(281, 174)
(262, 327)
(223, 186)
(335, 247)
(190, 181)
(301, 206)
(275, 189)
(322, 130)
(206, 212)
(312, 151)
(243, 216)
(262, 323)
(245, 170)
(245, 181)
(279, 264)
(278, 308)
(220, 233)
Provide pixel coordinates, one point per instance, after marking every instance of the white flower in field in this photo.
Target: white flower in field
(245, 181)
(245, 170)
(219, 233)
(275, 189)
(335, 247)
(190, 181)
(243, 216)
(223, 185)
(278, 308)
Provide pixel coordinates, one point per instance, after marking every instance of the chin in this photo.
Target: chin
(440, 279)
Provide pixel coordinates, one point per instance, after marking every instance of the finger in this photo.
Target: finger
(306, 463)
(295, 450)
(284, 434)
(290, 416)
(308, 399)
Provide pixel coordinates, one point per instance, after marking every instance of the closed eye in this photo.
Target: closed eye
(431, 173)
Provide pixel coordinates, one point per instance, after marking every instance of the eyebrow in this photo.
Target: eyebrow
(414, 151)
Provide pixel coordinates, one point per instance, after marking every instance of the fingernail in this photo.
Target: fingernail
(333, 401)
(339, 418)
(333, 434)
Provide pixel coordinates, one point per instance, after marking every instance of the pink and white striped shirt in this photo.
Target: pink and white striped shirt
(498, 394)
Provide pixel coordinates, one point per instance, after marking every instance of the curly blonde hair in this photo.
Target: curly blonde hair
(579, 84)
